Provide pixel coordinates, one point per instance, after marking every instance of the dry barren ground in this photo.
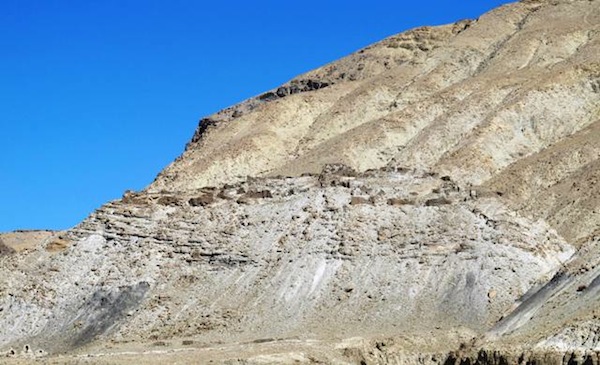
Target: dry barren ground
(430, 199)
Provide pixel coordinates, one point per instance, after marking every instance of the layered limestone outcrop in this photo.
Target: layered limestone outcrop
(327, 255)
(431, 199)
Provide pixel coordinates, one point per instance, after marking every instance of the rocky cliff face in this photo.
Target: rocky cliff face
(432, 198)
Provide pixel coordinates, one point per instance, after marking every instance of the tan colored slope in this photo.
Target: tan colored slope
(347, 267)
(560, 184)
(258, 136)
(25, 240)
(468, 100)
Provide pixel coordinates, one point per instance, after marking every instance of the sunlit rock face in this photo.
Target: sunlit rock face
(432, 198)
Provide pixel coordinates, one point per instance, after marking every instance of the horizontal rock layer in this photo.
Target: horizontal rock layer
(379, 253)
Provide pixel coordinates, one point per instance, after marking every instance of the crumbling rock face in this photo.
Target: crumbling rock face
(300, 247)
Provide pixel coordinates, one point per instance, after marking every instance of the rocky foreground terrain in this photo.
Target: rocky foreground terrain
(431, 199)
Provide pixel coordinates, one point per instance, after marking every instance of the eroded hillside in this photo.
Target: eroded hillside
(432, 198)
(471, 100)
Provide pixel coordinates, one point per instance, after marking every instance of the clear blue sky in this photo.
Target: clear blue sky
(96, 97)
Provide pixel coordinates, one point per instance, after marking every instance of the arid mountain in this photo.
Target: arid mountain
(431, 199)
(486, 102)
